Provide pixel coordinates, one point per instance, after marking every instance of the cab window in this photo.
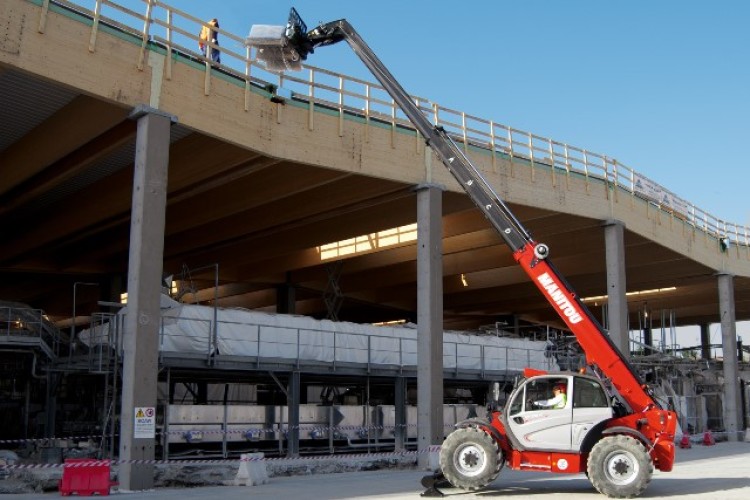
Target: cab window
(589, 394)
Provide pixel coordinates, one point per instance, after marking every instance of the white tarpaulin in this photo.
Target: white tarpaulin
(189, 328)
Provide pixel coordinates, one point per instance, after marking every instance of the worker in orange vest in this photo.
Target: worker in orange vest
(210, 34)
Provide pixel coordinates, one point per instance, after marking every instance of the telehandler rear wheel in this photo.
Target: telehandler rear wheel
(469, 458)
(619, 467)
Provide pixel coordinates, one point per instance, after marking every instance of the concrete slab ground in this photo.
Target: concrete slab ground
(702, 472)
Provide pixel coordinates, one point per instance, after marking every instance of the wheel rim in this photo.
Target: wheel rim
(621, 467)
(469, 459)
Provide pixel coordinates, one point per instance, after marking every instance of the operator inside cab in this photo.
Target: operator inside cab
(558, 400)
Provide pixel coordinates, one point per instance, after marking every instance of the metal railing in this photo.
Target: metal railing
(176, 32)
(27, 327)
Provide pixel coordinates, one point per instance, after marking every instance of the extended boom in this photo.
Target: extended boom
(616, 447)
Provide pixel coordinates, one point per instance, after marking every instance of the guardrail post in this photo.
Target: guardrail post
(510, 149)
(393, 124)
(606, 176)
(207, 76)
(531, 155)
(552, 161)
(367, 112)
(616, 180)
(279, 85)
(311, 112)
(492, 146)
(417, 135)
(144, 41)
(95, 25)
(43, 16)
(248, 66)
(463, 130)
(341, 106)
(586, 168)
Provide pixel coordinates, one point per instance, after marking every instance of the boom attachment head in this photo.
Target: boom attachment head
(283, 48)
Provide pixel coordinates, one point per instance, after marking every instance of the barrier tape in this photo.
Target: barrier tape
(251, 431)
(99, 463)
(357, 428)
(50, 440)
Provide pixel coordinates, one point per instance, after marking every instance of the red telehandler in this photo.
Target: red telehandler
(607, 425)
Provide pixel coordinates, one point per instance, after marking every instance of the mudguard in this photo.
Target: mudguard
(484, 424)
(630, 432)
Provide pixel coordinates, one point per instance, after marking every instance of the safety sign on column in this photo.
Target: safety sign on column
(145, 422)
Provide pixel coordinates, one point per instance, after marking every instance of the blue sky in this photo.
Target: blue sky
(661, 86)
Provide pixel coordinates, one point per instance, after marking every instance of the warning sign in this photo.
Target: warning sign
(145, 422)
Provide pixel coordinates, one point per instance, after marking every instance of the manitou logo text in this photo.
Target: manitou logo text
(559, 298)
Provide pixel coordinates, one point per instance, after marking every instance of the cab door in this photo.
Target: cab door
(590, 407)
(540, 428)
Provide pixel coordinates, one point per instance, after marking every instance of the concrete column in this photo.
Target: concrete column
(141, 333)
(617, 304)
(399, 417)
(292, 403)
(648, 336)
(729, 346)
(705, 341)
(286, 298)
(429, 319)
(53, 381)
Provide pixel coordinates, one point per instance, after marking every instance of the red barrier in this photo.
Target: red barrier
(85, 477)
(708, 439)
(685, 442)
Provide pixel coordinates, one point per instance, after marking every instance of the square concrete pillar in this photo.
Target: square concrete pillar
(429, 319)
(140, 362)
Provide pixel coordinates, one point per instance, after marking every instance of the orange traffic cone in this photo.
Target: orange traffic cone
(685, 441)
(708, 438)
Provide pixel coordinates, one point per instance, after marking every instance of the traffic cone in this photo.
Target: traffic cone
(708, 438)
(685, 441)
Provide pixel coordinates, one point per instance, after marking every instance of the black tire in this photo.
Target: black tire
(619, 467)
(469, 458)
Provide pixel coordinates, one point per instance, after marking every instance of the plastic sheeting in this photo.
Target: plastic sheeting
(189, 328)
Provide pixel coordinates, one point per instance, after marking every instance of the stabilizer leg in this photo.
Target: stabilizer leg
(432, 482)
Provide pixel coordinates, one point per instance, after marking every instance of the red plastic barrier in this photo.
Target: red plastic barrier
(708, 439)
(85, 477)
(685, 442)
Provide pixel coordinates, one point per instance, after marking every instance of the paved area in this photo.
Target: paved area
(721, 472)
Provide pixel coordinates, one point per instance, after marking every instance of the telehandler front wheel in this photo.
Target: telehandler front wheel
(619, 467)
(469, 458)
